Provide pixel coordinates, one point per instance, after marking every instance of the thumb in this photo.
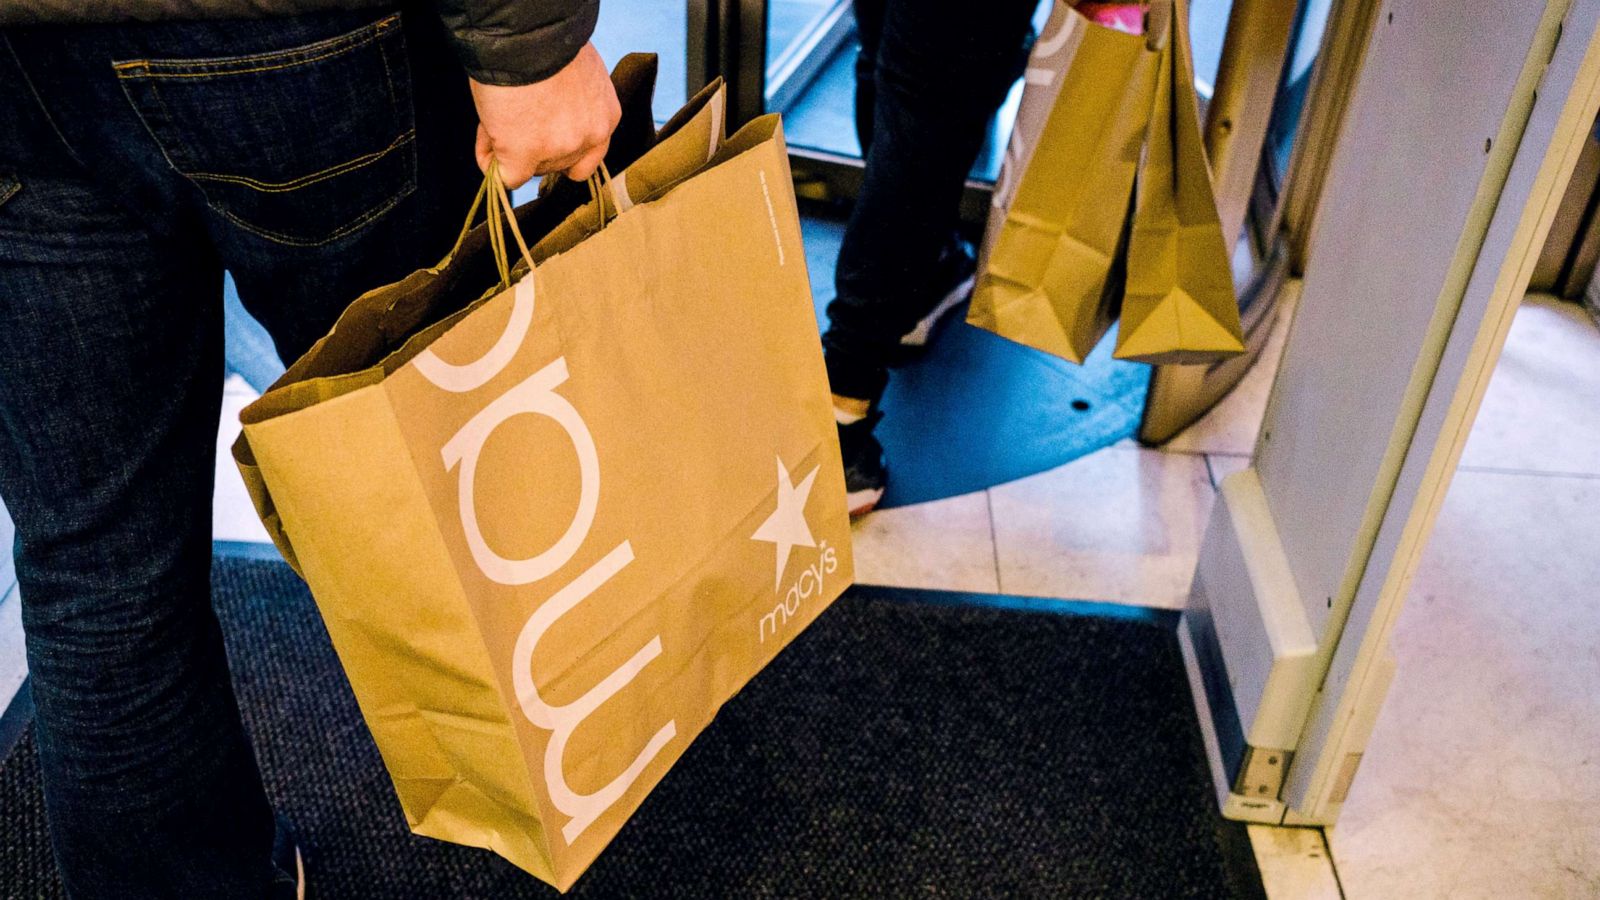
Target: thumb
(482, 150)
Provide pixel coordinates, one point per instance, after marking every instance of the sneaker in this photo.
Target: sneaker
(957, 270)
(290, 880)
(864, 475)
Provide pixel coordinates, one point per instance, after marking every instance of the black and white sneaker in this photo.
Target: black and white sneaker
(864, 475)
(289, 881)
(956, 273)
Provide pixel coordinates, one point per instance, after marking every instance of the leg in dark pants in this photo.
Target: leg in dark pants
(125, 190)
(110, 351)
(932, 78)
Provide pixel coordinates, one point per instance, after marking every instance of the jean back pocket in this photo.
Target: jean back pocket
(299, 146)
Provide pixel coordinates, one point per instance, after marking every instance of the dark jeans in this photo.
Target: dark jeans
(929, 78)
(313, 158)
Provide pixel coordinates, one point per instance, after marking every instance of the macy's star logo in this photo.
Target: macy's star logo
(787, 527)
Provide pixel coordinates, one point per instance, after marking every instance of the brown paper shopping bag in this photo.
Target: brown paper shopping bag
(557, 528)
(1179, 306)
(1060, 207)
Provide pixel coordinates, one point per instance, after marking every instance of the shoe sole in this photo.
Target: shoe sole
(299, 876)
(862, 502)
(918, 337)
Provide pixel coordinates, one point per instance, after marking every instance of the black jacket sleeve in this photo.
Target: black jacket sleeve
(518, 41)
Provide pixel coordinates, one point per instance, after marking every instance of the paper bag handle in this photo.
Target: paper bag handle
(598, 182)
(506, 214)
(500, 204)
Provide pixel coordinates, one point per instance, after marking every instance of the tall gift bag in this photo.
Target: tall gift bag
(1060, 208)
(555, 529)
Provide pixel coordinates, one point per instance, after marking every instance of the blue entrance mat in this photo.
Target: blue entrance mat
(979, 410)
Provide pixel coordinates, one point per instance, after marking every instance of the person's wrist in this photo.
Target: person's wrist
(560, 124)
(497, 77)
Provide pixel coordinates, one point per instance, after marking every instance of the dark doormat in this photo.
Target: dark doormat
(910, 744)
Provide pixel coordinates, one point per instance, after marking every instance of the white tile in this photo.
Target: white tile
(944, 544)
(1120, 525)
(1231, 425)
(8, 533)
(13, 658)
(235, 384)
(233, 518)
(1294, 863)
(1542, 409)
(1225, 464)
(1482, 778)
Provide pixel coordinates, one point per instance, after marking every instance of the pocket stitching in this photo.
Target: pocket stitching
(366, 217)
(369, 34)
(145, 121)
(9, 186)
(223, 66)
(294, 184)
(388, 75)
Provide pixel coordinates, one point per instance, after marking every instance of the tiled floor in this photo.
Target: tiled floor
(1483, 776)
(1294, 863)
(1122, 525)
(232, 516)
(1542, 410)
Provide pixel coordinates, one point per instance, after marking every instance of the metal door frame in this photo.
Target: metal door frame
(1318, 541)
(1563, 109)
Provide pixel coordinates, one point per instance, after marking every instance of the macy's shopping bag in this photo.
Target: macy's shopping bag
(557, 529)
(1060, 207)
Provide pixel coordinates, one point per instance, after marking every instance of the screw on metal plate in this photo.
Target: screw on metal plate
(1261, 773)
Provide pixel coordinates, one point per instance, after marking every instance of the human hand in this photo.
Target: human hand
(560, 124)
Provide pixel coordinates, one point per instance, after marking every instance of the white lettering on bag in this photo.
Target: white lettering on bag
(562, 721)
(1049, 45)
(473, 375)
(808, 584)
(536, 395)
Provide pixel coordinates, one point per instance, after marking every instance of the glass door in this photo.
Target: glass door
(649, 26)
(810, 76)
(812, 45)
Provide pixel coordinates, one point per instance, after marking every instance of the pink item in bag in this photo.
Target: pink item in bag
(1124, 17)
